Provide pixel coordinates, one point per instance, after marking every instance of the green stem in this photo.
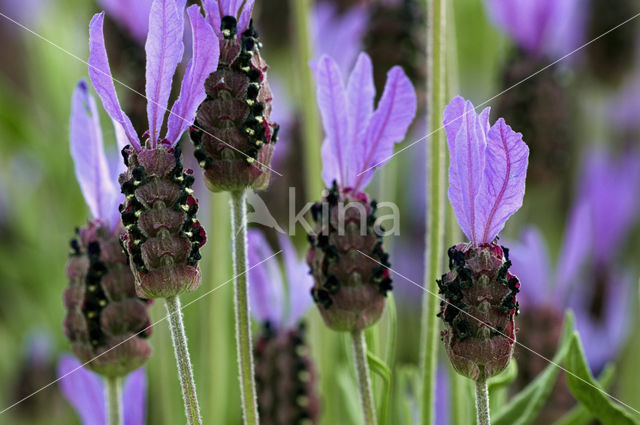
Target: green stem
(482, 402)
(364, 379)
(307, 95)
(436, 30)
(114, 400)
(181, 350)
(243, 324)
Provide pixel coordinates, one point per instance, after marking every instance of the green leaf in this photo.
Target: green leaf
(526, 405)
(504, 378)
(406, 394)
(579, 415)
(589, 393)
(379, 367)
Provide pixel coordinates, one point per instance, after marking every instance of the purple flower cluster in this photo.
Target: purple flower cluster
(163, 236)
(350, 288)
(486, 186)
(285, 372)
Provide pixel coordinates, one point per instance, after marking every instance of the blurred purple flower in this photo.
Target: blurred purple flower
(164, 48)
(358, 139)
(269, 304)
(132, 15)
(541, 27)
(338, 35)
(487, 171)
(85, 391)
(96, 174)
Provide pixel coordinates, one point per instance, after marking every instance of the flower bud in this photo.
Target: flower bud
(349, 288)
(233, 134)
(480, 296)
(163, 237)
(286, 378)
(105, 319)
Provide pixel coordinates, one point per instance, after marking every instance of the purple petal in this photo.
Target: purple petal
(298, 279)
(541, 26)
(388, 125)
(575, 248)
(132, 15)
(100, 75)
(332, 101)
(206, 51)
(214, 15)
(134, 398)
(442, 401)
(83, 389)
(502, 189)
(164, 50)
(361, 92)
(467, 145)
(265, 281)
(610, 181)
(92, 167)
(338, 35)
(604, 336)
(531, 264)
(245, 15)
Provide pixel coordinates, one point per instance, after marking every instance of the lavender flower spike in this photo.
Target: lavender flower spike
(163, 237)
(234, 135)
(104, 317)
(486, 186)
(284, 368)
(85, 392)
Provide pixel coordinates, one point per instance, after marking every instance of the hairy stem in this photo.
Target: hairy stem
(307, 95)
(482, 402)
(114, 400)
(436, 30)
(243, 324)
(185, 371)
(364, 380)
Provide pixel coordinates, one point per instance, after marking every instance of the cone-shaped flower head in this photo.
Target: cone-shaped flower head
(349, 287)
(163, 236)
(285, 372)
(233, 133)
(486, 186)
(86, 393)
(103, 311)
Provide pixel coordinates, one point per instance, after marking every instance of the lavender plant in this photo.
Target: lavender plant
(286, 376)
(163, 237)
(346, 257)
(107, 324)
(234, 139)
(486, 186)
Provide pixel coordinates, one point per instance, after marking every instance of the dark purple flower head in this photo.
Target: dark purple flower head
(548, 27)
(358, 138)
(269, 304)
(487, 170)
(234, 135)
(103, 312)
(132, 15)
(285, 372)
(163, 237)
(85, 391)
